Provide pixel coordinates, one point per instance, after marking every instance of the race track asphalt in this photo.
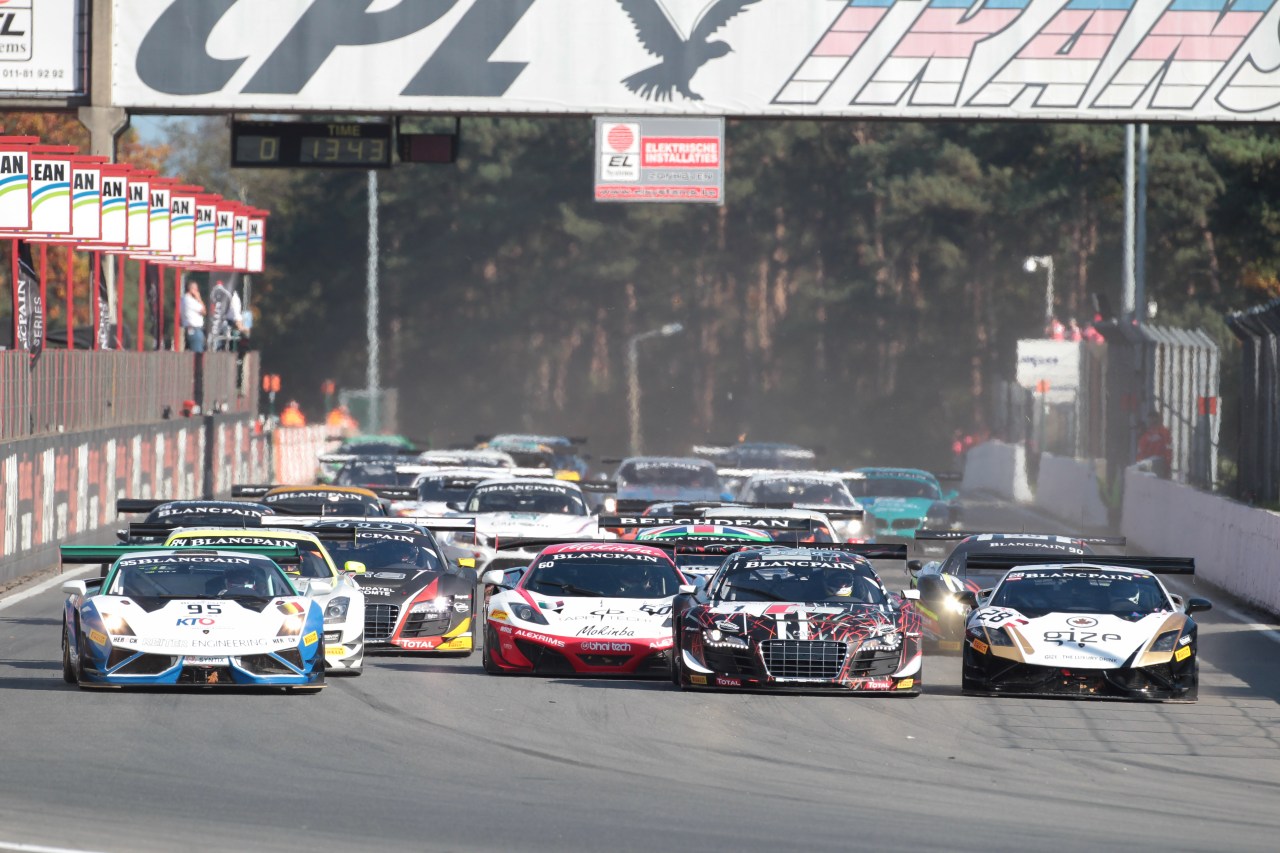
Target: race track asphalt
(431, 754)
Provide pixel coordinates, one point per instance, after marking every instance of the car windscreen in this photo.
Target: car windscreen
(892, 487)
(527, 497)
(821, 580)
(816, 492)
(389, 553)
(198, 577)
(311, 566)
(1127, 595)
(533, 458)
(682, 475)
(371, 474)
(445, 489)
(604, 575)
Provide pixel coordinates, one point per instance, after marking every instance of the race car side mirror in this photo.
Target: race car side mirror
(75, 588)
(456, 506)
(910, 594)
(914, 567)
(688, 589)
(354, 566)
(1197, 605)
(320, 588)
(967, 597)
(494, 577)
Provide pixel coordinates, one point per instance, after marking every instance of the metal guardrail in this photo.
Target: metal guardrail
(1258, 454)
(65, 391)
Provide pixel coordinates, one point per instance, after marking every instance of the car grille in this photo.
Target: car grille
(605, 660)
(872, 663)
(145, 664)
(732, 661)
(804, 660)
(544, 660)
(269, 665)
(380, 622)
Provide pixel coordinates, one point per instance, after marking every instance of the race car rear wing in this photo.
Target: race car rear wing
(138, 506)
(396, 493)
(606, 487)
(644, 522)
(343, 458)
(871, 552)
(834, 513)
(1155, 565)
(957, 535)
(108, 554)
(430, 522)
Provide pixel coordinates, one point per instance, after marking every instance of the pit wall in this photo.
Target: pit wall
(295, 450)
(62, 488)
(997, 468)
(1235, 546)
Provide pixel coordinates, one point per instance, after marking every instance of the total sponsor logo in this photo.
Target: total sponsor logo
(417, 644)
(600, 646)
(726, 681)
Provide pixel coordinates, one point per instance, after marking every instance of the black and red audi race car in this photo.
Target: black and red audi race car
(800, 619)
(584, 608)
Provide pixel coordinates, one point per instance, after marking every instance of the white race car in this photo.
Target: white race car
(315, 576)
(513, 508)
(1105, 629)
(600, 608)
(820, 491)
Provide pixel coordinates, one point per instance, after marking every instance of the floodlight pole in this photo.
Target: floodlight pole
(633, 379)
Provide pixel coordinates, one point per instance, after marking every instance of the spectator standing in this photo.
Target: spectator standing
(193, 317)
(1156, 442)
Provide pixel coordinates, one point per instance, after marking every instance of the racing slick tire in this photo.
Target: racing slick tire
(70, 672)
(486, 656)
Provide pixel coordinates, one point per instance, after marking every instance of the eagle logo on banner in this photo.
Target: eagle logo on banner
(681, 57)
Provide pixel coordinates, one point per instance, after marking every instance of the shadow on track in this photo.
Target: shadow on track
(31, 620)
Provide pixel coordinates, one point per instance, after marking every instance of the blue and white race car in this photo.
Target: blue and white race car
(191, 617)
(900, 501)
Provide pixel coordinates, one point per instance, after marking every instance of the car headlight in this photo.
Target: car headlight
(292, 626)
(528, 613)
(336, 611)
(955, 605)
(888, 641)
(999, 637)
(116, 626)
(716, 637)
(1165, 642)
(440, 604)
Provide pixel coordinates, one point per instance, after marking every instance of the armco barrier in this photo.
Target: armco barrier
(1068, 489)
(1235, 546)
(997, 468)
(294, 450)
(64, 487)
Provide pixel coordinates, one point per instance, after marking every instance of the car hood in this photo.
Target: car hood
(892, 508)
(393, 586)
(1074, 640)
(533, 524)
(759, 621)
(584, 617)
(192, 627)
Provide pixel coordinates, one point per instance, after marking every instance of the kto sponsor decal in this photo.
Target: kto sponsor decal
(597, 646)
(188, 621)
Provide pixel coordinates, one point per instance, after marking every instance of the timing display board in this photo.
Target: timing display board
(330, 145)
(1078, 60)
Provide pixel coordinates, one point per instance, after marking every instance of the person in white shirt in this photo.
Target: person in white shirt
(193, 317)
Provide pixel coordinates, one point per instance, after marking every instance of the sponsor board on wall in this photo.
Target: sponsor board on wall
(43, 48)
(660, 159)
(1108, 60)
(1051, 365)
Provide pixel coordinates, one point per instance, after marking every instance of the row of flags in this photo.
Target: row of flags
(52, 194)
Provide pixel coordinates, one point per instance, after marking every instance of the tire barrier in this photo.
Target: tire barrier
(60, 489)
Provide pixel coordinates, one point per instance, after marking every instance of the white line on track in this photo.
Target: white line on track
(1265, 630)
(19, 847)
(23, 596)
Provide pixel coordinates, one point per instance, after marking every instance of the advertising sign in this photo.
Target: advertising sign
(660, 159)
(139, 189)
(160, 221)
(224, 235)
(257, 234)
(1050, 367)
(43, 45)
(86, 198)
(1077, 60)
(182, 221)
(15, 182)
(206, 227)
(51, 189)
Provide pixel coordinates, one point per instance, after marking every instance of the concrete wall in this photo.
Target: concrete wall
(1067, 489)
(295, 450)
(63, 488)
(1236, 547)
(997, 468)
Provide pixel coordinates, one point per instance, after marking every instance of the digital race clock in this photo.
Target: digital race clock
(335, 145)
